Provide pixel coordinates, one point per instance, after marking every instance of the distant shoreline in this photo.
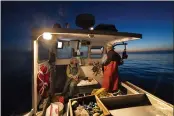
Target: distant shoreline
(151, 52)
(129, 52)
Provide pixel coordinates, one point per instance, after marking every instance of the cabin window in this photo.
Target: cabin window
(43, 51)
(64, 53)
(96, 51)
(84, 49)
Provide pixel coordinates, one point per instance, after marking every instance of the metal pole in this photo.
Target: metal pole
(34, 84)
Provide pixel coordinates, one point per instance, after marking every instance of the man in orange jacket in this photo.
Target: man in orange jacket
(111, 77)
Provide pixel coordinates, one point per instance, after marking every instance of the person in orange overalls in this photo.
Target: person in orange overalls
(111, 77)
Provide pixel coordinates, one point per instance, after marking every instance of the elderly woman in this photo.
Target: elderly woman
(72, 71)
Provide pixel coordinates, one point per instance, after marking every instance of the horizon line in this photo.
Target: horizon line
(119, 51)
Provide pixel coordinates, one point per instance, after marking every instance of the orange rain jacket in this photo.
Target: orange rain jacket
(111, 77)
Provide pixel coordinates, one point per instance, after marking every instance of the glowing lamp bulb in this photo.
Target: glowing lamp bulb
(47, 36)
(91, 28)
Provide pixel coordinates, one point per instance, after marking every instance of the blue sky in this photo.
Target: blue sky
(152, 19)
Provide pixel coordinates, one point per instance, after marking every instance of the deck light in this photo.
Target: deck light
(91, 28)
(47, 36)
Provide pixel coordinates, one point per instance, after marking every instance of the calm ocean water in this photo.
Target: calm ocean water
(153, 72)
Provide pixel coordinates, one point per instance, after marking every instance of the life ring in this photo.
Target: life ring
(43, 79)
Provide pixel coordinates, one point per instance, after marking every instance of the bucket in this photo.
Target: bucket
(55, 109)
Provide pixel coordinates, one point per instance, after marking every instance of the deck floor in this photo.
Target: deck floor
(137, 111)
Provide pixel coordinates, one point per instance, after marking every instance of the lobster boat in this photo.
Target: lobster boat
(88, 45)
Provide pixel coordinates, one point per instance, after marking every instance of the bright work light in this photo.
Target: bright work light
(47, 36)
(91, 28)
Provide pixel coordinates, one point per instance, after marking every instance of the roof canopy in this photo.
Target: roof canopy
(91, 35)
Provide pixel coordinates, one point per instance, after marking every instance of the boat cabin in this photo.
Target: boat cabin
(88, 46)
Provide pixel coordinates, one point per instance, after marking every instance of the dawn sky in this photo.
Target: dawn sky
(154, 20)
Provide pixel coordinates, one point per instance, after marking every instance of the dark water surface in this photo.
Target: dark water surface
(153, 72)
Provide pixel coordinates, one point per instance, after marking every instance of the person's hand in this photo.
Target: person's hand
(76, 78)
(90, 79)
(121, 62)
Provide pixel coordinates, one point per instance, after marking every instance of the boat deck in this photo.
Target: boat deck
(148, 110)
(128, 104)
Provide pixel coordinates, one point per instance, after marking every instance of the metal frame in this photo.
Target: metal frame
(34, 80)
